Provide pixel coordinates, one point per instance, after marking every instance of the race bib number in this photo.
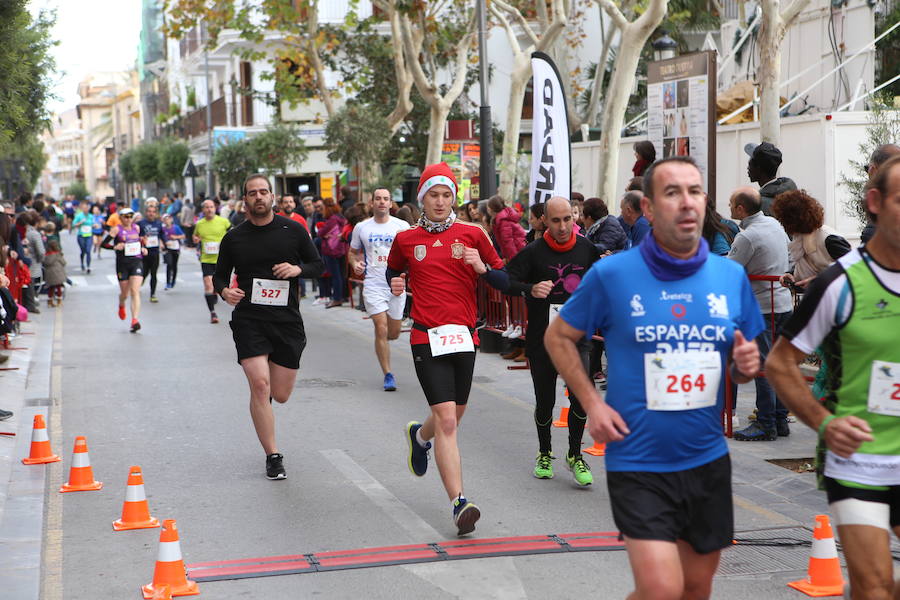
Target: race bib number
(449, 339)
(152, 241)
(210, 247)
(132, 248)
(884, 388)
(554, 312)
(380, 255)
(86, 229)
(271, 292)
(681, 380)
(173, 244)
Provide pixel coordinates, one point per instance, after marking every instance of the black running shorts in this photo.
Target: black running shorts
(129, 267)
(889, 495)
(447, 378)
(692, 505)
(208, 269)
(283, 341)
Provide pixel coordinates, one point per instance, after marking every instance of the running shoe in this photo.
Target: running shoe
(135, 326)
(154, 299)
(465, 515)
(5, 414)
(275, 466)
(516, 333)
(389, 384)
(213, 318)
(580, 470)
(122, 314)
(89, 271)
(417, 457)
(543, 466)
(508, 331)
(755, 433)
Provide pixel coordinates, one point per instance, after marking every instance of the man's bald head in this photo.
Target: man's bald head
(746, 198)
(558, 218)
(557, 204)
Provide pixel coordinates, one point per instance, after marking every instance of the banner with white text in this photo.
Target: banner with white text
(551, 152)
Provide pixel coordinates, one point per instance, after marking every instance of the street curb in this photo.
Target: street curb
(23, 488)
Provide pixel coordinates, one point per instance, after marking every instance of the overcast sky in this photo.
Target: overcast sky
(93, 35)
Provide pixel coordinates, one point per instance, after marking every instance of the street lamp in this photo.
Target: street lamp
(664, 47)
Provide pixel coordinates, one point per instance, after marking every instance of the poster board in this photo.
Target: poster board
(464, 159)
(681, 110)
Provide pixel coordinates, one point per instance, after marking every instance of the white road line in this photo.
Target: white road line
(477, 578)
(79, 280)
(113, 280)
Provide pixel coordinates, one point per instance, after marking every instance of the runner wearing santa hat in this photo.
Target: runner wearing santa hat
(443, 259)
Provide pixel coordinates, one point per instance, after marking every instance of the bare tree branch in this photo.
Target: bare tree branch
(518, 16)
(792, 12)
(614, 13)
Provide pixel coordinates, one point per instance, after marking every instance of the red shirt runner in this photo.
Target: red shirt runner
(442, 284)
(299, 218)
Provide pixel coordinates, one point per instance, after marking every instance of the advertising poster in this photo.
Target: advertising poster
(681, 110)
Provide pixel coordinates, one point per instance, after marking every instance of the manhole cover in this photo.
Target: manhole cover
(324, 383)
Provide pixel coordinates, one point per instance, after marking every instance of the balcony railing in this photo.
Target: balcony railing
(195, 122)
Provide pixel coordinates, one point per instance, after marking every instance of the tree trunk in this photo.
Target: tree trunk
(518, 81)
(634, 36)
(436, 126)
(775, 24)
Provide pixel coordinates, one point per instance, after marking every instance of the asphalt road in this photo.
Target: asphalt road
(173, 400)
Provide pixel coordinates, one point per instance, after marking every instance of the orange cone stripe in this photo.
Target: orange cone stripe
(169, 551)
(824, 549)
(81, 459)
(135, 493)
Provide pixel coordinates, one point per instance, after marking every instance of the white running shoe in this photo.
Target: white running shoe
(508, 331)
(516, 333)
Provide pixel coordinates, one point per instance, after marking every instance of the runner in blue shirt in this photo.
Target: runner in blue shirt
(674, 317)
(151, 232)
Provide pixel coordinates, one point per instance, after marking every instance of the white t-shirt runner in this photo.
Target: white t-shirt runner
(376, 239)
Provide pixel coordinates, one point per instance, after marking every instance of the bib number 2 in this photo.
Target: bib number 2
(884, 388)
(449, 339)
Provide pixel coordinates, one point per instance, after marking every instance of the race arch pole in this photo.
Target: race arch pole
(487, 176)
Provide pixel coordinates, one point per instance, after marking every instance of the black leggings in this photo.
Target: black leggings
(171, 260)
(151, 264)
(543, 376)
(447, 378)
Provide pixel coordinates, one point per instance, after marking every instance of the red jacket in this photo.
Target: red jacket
(509, 234)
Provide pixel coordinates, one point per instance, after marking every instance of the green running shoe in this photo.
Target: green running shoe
(543, 466)
(580, 470)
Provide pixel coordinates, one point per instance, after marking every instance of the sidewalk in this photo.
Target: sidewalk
(26, 392)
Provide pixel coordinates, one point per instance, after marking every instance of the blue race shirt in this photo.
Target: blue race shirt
(153, 231)
(639, 314)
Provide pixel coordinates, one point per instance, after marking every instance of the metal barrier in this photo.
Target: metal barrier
(729, 399)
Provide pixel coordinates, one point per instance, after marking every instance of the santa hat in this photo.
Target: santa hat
(437, 174)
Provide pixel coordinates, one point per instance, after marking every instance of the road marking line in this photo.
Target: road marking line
(51, 580)
(776, 518)
(481, 578)
(113, 280)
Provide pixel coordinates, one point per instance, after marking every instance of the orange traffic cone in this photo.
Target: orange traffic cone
(40, 444)
(563, 420)
(162, 593)
(135, 510)
(598, 449)
(823, 576)
(81, 476)
(169, 569)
